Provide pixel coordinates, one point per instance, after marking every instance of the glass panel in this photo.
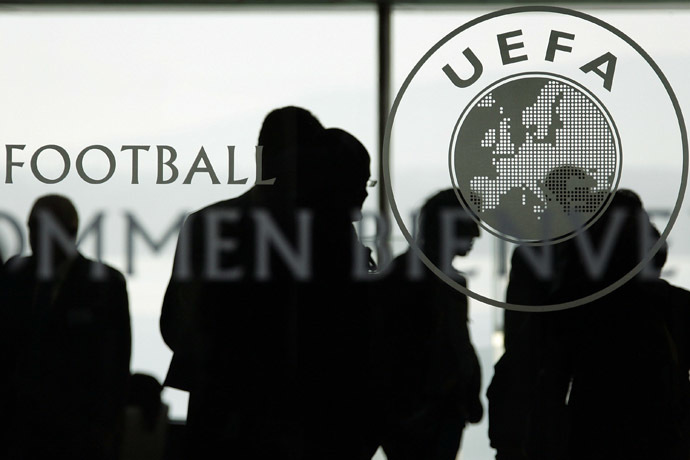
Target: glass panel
(183, 78)
(660, 31)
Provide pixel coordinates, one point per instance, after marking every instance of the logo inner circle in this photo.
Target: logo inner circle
(535, 158)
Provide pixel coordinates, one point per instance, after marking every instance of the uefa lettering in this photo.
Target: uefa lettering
(536, 116)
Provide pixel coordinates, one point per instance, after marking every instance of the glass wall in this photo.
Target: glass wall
(182, 78)
(187, 78)
(659, 31)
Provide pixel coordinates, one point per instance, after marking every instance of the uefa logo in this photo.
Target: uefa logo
(536, 116)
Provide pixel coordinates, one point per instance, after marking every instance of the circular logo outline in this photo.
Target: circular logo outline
(387, 176)
(570, 234)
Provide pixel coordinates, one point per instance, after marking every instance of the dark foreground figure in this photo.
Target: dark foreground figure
(267, 324)
(65, 345)
(427, 377)
(607, 380)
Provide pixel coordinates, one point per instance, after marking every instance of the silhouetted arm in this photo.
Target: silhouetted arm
(455, 317)
(114, 360)
(182, 297)
(6, 361)
(118, 338)
(179, 322)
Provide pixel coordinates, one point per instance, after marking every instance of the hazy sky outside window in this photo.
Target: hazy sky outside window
(189, 78)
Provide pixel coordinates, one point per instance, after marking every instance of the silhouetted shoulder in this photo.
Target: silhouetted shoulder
(240, 202)
(17, 264)
(110, 274)
(680, 296)
(26, 265)
(195, 221)
(678, 319)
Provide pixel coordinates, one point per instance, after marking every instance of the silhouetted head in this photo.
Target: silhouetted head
(333, 176)
(625, 231)
(445, 209)
(624, 209)
(626, 198)
(284, 133)
(54, 210)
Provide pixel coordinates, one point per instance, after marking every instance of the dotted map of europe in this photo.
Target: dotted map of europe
(535, 158)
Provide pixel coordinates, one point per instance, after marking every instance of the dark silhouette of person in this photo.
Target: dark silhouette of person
(264, 321)
(427, 374)
(229, 313)
(533, 279)
(334, 330)
(511, 393)
(66, 333)
(146, 420)
(678, 323)
(610, 383)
